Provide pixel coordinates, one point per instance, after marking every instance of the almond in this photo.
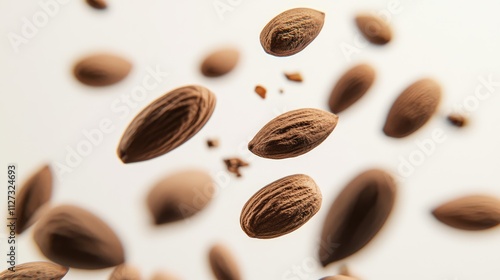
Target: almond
(293, 133)
(374, 28)
(163, 276)
(351, 87)
(98, 4)
(338, 277)
(357, 215)
(281, 207)
(166, 123)
(220, 62)
(35, 270)
(102, 69)
(223, 264)
(71, 236)
(457, 120)
(125, 272)
(475, 212)
(291, 31)
(413, 108)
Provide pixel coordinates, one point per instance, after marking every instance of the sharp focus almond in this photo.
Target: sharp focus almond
(125, 272)
(293, 133)
(374, 29)
(223, 264)
(220, 62)
(477, 212)
(74, 237)
(102, 69)
(281, 207)
(180, 196)
(35, 193)
(413, 108)
(166, 123)
(357, 215)
(35, 270)
(351, 87)
(291, 31)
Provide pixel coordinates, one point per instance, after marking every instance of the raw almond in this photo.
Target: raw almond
(180, 196)
(71, 236)
(357, 215)
(457, 120)
(223, 264)
(35, 270)
(413, 108)
(102, 69)
(374, 28)
(281, 207)
(166, 123)
(293, 133)
(351, 87)
(35, 193)
(98, 4)
(220, 62)
(475, 212)
(338, 277)
(291, 31)
(125, 272)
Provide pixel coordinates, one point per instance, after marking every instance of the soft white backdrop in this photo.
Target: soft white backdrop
(44, 111)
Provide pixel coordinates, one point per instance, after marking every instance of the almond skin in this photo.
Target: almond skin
(281, 207)
(357, 215)
(125, 272)
(220, 62)
(102, 69)
(374, 29)
(223, 264)
(413, 108)
(351, 87)
(35, 193)
(291, 31)
(73, 237)
(97, 4)
(293, 133)
(476, 212)
(35, 270)
(166, 123)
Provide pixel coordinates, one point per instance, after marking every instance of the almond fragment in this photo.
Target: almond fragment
(261, 91)
(457, 120)
(233, 165)
(294, 77)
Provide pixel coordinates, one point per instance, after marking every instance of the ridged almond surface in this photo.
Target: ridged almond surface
(125, 272)
(357, 215)
(293, 133)
(220, 62)
(351, 87)
(291, 31)
(166, 123)
(477, 212)
(413, 108)
(102, 69)
(71, 236)
(374, 29)
(35, 270)
(281, 207)
(223, 263)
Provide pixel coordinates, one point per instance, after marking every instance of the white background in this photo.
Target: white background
(44, 110)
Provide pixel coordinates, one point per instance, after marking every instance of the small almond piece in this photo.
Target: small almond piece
(233, 165)
(457, 120)
(476, 212)
(374, 29)
(98, 4)
(294, 77)
(125, 272)
(102, 69)
(213, 143)
(35, 270)
(220, 62)
(223, 264)
(261, 91)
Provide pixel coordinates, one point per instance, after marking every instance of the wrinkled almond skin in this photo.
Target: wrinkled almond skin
(357, 215)
(35, 270)
(180, 196)
(97, 4)
(166, 123)
(293, 133)
(351, 87)
(125, 272)
(291, 31)
(35, 193)
(413, 108)
(477, 212)
(374, 29)
(220, 62)
(281, 207)
(223, 264)
(102, 69)
(73, 237)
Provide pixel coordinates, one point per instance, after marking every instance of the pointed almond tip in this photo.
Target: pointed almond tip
(123, 156)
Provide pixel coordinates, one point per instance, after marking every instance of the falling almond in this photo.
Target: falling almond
(35, 270)
(374, 29)
(125, 272)
(220, 62)
(102, 69)
(223, 263)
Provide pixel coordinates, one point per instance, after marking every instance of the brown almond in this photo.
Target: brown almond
(261, 91)
(166, 123)
(281, 207)
(475, 212)
(223, 263)
(220, 62)
(163, 276)
(180, 196)
(233, 165)
(413, 108)
(457, 119)
(357, 215)
(34, 194)
(351, 87)
(98, 4)
(294, 77)
(71, 236)
(35, 270)
(338, 277)
(102, 69)
(293, 133)
(291, 31)
(125, 272)
(374, 29)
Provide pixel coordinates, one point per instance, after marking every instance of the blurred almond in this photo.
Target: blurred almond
(98, 4)
(102, 69)
(35, 270)
(223, 264)
(374, 28)
(220, 62)
(125, 272)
